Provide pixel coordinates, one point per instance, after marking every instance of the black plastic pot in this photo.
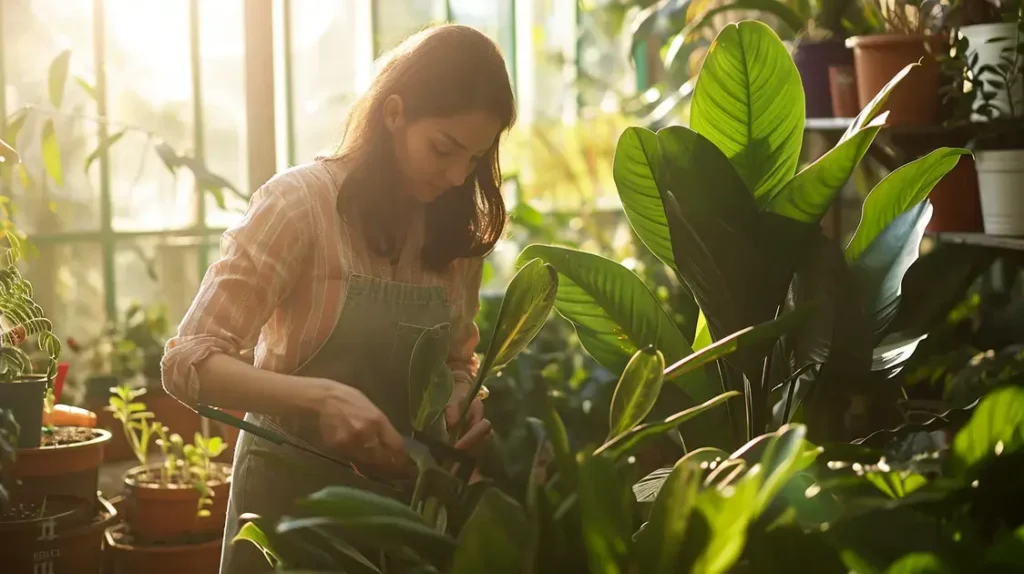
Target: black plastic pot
(812, 61)
(24, 398)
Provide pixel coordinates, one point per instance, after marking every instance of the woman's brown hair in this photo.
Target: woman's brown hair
(441, 71)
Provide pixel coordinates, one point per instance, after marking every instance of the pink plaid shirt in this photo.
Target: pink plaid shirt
(278, 287)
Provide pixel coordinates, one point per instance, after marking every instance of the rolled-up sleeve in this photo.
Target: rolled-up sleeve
(462, 359)
(260, 258)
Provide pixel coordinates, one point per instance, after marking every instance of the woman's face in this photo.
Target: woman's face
(437, 154)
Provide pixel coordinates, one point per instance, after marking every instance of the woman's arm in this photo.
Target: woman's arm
(204, 362)
(462, 359)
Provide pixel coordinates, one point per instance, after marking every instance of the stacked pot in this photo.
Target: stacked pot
(58, 518)
(1000, 159)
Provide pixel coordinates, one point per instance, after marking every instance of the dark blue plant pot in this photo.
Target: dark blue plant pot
(813, 60)
(24, 398)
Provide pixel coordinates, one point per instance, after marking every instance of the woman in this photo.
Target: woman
(340, 265)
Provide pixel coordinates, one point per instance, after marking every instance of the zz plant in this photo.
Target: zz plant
(723, 205)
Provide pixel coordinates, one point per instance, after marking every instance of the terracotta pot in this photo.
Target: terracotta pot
(24, 398)
(842, 82)
(813, 60)
(880, 57)
(71, 469)
(956, 200)
(158, 513)
(68, 541)
(126, 556)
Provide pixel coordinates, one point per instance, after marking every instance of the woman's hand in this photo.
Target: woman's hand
(352, 424)
(479, 428)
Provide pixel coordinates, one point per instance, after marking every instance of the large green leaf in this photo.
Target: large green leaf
(348, 502)
(606, 513)
(625, 443)
(763, 335)
(380, 531)
(880, 269)
(493, 537)
(809, 194)
(919, 563)
(430, 380)
(635, 168)
(660, 542)
(996, 429)
(51, 154)
(637, 391)
(875, 106)
(524, 310)
(749, 102)
(647, 488)
(59, 77)
(737, 262)
(613, 310)
(898, 192)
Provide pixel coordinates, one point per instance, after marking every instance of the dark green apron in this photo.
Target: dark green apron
(369, 349)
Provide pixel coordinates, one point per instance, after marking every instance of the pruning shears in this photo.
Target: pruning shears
(440, 451)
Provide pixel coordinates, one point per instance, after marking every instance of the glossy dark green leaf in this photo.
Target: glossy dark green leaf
(636, 165)
(737, 262)
(430, 380)
(660, 543)
(877, 104)
(625, 443)
(637, 391)
(493, 538)
(614, 311)
(706, 458)
(59, 77)
(996, 429)
(763, 335)
(605, 509)
(919, 563)
(528, 301)
(251, 532)
(880, 269)
(899, 191)
(382, 531)
(749, 102)
(810, 193)
(347, 502)
(52, 154)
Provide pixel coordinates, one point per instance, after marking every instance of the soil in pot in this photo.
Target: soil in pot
(24, 398)
(168, 511)
(813, 60)
(67, 463)
(956, 202)
(126, 555)
(878, 58)
(64, 537)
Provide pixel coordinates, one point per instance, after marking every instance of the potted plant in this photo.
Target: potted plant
(907, 32)
(992, 33)
(174, 508)
(1000, 146)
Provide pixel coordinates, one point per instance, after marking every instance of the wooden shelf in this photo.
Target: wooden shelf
(981, 240)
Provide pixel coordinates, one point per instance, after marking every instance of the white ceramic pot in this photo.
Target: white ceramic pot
(980, 37)
(1001, 184)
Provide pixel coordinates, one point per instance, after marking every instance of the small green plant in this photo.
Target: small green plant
(182, 463)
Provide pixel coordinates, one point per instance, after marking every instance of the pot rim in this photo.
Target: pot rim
(109, 532)
(878, 40)
(80, 505)
(102, 436)
(130, 482)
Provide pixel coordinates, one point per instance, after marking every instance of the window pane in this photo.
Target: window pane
(493, 17)
(33, 34)
(150, 93)
(546, 61)
(158, 270)
(325, 67)
(222, 62)
(606, 68)
(67, 279)
(395, 20)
